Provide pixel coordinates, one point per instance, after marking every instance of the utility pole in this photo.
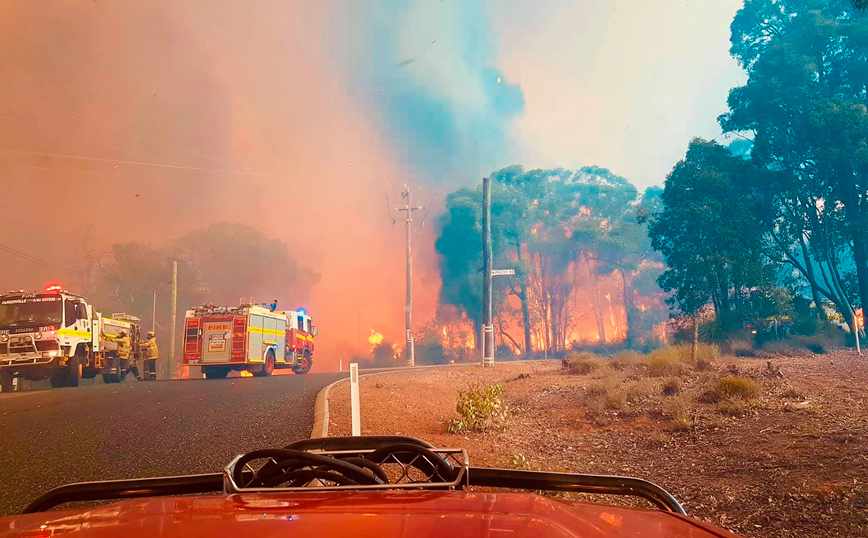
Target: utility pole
(174, 318)
(409, 351)
(154, 313)
(487, 266)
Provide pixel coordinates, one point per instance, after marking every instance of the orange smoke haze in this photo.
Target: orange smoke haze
(209, 88)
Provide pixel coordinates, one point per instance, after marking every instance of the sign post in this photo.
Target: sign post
(354, 399)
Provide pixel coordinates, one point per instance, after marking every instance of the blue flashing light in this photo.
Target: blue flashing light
(301, 311)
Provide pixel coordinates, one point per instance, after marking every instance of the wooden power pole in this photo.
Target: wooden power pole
(409, 348)
(487, 266)
(171, 372)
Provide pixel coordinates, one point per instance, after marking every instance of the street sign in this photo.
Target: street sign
(502, 272)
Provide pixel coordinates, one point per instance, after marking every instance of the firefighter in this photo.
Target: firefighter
(123, 341)
(273, 305)
(152, 353)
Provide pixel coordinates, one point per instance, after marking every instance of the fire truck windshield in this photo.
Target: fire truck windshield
(32, 310)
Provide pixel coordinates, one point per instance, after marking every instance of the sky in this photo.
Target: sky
(141, 120)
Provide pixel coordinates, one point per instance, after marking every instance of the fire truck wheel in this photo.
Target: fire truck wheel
(267, 366)
(6, 380)
(212, 372)
(306, 363)
(69, 375)
(56, 378)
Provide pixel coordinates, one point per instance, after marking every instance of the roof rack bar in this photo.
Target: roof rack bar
(579, 483)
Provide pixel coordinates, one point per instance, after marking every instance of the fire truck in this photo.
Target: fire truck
(58, 335)
(248, 338)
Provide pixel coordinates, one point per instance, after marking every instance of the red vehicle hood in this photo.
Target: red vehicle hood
(358, 515)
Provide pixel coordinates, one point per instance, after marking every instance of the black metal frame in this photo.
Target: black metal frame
(476, 476)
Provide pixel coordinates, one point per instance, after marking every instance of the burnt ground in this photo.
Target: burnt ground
(790, 461)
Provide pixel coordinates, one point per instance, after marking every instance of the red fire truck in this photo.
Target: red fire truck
(248, 338)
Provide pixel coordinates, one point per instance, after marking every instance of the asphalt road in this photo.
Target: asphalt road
(130, 430)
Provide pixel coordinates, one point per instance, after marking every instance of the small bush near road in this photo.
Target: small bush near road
(680, 409)
(734, 387)
(733, 407)
(671, 387)
(664, 362)
(813, 344)
(740, 348)
(582, 363)
(480, 408)
(626, 360)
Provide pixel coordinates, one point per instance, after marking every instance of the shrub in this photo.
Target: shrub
(735, 387)
(608, 393)
(481, 409)
(520, 461)
(664, 362)
(792, 394)
(582, 363)
(671, 387)
(740, 348)
(778, 346)
(657, 440)
(813, 344)
(732, 407)
(706, 354)
(681, 411)
(625, 360)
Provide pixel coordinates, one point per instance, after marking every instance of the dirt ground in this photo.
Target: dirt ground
(793, 461)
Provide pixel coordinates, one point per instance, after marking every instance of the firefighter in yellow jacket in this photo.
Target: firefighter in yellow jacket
(151, 353)
(123, 342)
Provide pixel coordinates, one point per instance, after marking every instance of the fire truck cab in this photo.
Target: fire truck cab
(248, 338)
(59, 335)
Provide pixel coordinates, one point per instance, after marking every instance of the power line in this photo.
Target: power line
(140, 163)
(118, 148)
(74, 115)
(34, 259)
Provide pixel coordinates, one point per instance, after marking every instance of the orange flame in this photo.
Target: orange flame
(375, 339)
(245, 373)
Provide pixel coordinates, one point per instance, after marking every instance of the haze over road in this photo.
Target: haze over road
(132, 430)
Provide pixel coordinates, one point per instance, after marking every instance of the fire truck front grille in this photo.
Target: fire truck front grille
(47, 345)
(26, 346)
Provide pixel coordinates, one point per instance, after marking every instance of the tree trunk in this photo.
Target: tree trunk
(858, 221)
(628, 302)
(812, 279)
(598, 311)
(860, 254)
(525, 310)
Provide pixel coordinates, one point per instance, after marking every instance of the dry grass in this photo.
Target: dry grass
(733, 407)
(680, 409)
(732, 387)
(792, 394)
(664, 362)
(583, 363)
(671, 386)
(626, 360)
(766, 474)
(740, 348)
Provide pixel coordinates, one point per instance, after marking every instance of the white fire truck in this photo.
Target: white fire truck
(248, 338)
(58, 335)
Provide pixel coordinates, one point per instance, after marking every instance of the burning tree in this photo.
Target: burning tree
(575, 243)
